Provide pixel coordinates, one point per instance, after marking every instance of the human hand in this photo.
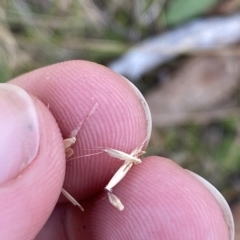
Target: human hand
(162, 200)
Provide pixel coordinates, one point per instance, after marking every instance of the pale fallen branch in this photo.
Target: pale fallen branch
(202, 34)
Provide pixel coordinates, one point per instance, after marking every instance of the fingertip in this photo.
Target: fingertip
(161, 201)
(226, 211)
(106, 109)
(27, 199)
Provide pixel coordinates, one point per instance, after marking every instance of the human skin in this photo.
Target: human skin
(162, 200)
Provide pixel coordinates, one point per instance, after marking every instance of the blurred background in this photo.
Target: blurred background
(184, 56)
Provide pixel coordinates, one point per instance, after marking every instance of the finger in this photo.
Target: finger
(66, 222)
(32, 164)
(114, 116)
(162, 201)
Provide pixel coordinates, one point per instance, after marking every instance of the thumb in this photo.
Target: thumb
(32, 164)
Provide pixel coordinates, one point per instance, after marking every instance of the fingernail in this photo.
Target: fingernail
(227, 213)
(19, 131)
(145, 107)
